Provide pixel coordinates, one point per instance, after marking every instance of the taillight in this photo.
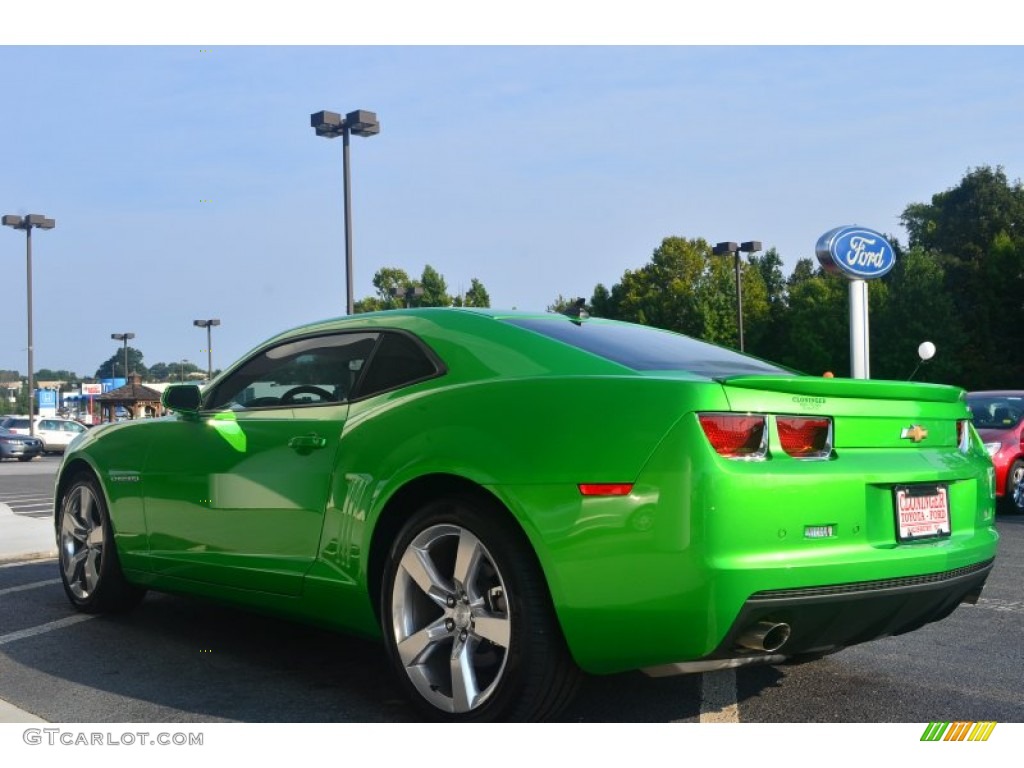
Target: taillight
(736, 436)
(805, 438)
(963, 436)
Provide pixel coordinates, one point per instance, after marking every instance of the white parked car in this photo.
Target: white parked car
(55, 433)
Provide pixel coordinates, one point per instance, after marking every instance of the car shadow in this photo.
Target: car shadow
(185, 659)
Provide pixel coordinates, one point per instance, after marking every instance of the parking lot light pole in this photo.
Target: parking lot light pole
(724, 249)
(124, 337)
(27, 223)
(331, 125)
(408, 294)
(208, 324)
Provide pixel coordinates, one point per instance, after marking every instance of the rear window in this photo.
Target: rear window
(996, 411)
(649, 349)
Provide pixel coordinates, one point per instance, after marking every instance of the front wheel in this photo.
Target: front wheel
(1015, 488)
(467, 617)
(89, 566)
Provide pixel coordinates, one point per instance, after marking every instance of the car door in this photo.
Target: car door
(69, 431)
(236, 496)
(48, 430)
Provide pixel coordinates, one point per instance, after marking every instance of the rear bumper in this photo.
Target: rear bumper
(820, 620)
(825, 619)
(19, 452)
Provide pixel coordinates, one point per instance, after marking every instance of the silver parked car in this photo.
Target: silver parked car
(55, 433)
(20, 447)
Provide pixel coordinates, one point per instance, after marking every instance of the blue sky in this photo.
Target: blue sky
(538, 170)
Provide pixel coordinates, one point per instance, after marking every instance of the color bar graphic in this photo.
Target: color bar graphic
(958, 731)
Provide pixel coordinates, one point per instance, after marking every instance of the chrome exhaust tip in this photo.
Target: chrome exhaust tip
(766, 636)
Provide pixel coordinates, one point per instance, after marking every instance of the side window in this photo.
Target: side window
(399, 360)
(316, 370)
(48, 424)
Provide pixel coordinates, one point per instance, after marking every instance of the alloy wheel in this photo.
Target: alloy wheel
(450, 617)
(1017, 494)
(81, 541)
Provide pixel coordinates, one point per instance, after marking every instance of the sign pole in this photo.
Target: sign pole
(859, 255)
(859, 339)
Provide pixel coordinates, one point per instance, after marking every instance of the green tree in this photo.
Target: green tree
(963, 222)
(762, 332)
(663, 292)
(391, 284)
(395, 288)
(113, 366)
(716, 303)
(815, 330)
(70, 378)
(476, 296)
(435, 289)
(976, 232)
(685, 288)
(176, 372)
(756, 307)
(916, 307)
(562, 303)
(601, 302)
(159, 372)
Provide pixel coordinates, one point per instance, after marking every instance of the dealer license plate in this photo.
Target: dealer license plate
(922, 511)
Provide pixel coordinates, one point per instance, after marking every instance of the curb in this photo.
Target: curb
(11, 714)
(25, 538)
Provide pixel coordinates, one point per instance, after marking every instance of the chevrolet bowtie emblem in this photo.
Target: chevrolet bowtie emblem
(915, 433)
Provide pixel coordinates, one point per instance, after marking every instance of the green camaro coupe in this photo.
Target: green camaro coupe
(509, 499)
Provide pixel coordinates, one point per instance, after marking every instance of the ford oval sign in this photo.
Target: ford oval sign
(856, 252)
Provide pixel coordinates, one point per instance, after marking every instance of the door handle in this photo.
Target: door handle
(311, 440)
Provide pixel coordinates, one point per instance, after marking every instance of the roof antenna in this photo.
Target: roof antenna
(577, 310)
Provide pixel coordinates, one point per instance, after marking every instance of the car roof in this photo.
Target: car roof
(522, 347)
(443, 315)
(445, 327)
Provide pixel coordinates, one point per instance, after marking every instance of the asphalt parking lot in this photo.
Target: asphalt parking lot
(185, 660)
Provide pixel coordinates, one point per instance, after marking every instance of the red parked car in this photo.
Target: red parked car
(999, 418)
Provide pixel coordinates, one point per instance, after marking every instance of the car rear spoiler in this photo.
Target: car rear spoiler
(857, 388)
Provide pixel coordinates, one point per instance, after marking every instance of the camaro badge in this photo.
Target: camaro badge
(915, 433)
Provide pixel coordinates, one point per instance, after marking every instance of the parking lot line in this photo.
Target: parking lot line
(29, 561)
(67, 621)
(33, 585)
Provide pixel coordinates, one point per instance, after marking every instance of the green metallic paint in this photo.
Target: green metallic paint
(227, 508)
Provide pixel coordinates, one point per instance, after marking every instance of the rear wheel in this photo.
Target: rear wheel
(468, 621)
(89, 566)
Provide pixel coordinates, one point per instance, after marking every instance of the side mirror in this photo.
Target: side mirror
(183, 398)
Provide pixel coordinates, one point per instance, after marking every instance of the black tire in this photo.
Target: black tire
(498, 618)
(25, 458)
(1013, 500)
(87, 554)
